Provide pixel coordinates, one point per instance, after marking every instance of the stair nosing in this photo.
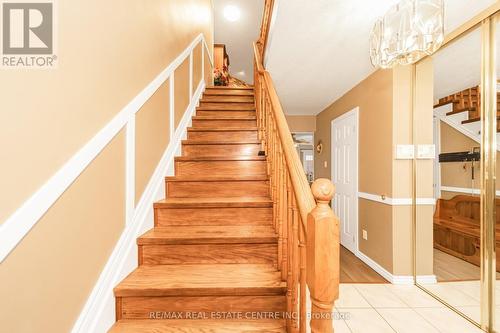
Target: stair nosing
(204, 203)
(224, 118)
(227, 102)
(221, 129)
(149, 238)
(221, 158)
(202, 108)
(461, 111)
(216, 178)
(218, 142)
(230, 88)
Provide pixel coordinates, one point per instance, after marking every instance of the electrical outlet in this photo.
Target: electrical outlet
(325, 164)
(365, 234)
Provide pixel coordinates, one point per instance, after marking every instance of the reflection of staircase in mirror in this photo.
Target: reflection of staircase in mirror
(462, 112)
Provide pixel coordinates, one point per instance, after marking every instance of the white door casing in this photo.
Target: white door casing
(344, 134)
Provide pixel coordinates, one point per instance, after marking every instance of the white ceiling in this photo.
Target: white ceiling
(318, 51)
(238, 36)
(458, 65)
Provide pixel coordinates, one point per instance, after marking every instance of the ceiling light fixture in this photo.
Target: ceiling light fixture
(408, 32)
(232, 13)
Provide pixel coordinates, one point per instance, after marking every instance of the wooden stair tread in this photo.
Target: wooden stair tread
(224, 118)
(214, 202)
(220, 158)
(198, 326)
(227, 98)
(209, 178)
(228, 88)
(473, 120)
(447, 102)
(460, 111)
(219, 142)
(209, 235)
(215, 108)
(224, 101)
(232, 93)
(221, 129)
(202, 280)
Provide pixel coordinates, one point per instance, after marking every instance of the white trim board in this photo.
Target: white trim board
(395, 201)
(98, 314)
(13, 230)
(395, 279)
(465, 190)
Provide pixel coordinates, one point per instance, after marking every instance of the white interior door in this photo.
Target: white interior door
(345, 176)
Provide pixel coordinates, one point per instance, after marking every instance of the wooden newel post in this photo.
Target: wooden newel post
(322, 257)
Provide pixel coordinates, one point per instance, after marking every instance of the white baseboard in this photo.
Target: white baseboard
(426, 279)
(98, 314)
(394, 279)
(375, 266)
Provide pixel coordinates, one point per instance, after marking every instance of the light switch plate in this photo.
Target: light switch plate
(426, 151)
(365, 235)
(405, 152)
(325, 164)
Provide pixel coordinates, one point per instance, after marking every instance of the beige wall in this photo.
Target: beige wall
(458, 174)
(385, 120)
(374, 97)
(301, 123)
(181, 88)
(152, 137)
(197, 66)
(108, 52)
(46, 280)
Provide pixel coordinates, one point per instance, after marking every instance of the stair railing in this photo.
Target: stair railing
(307, 228)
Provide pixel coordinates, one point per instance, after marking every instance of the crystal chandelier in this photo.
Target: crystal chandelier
(409, 31)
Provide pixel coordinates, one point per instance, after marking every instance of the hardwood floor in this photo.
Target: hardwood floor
(450, 268)
(353, 270)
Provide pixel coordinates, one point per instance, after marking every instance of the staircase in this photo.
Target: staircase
(210, 264)
(462, 112)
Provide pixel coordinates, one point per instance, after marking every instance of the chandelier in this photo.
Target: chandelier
(408, 32)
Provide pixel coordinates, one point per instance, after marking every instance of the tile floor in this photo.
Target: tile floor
(386, 308)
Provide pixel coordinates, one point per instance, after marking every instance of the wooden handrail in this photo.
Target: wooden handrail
(302, 190)
(307, 228)
(265, 26)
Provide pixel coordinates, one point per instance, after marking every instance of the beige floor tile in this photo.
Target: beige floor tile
(471, 288)
(473, 312)
(339, 324)
(367, 321)
(379, 296)
(452, 295)
(447, 321)
(414, 297)
(406, 321)
(349, 297)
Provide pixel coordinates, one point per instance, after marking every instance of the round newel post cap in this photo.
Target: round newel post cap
(323, 190)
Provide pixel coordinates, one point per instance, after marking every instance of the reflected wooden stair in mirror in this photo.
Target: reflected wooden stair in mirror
(213, 250)
(467, 102)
